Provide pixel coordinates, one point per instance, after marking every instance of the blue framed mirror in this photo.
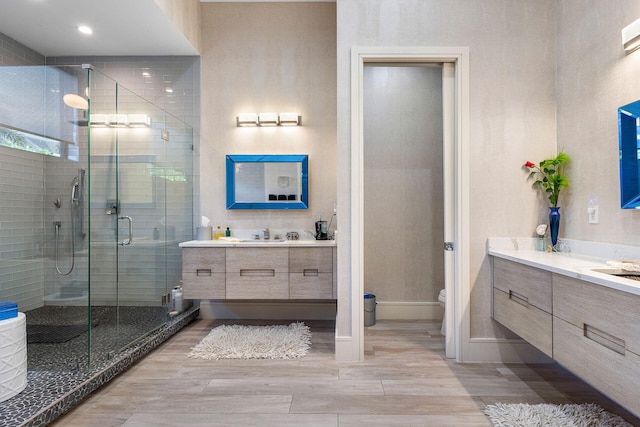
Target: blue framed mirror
(267, 181)
(628, 135)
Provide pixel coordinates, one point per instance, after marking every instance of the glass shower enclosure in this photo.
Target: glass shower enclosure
(97, 193)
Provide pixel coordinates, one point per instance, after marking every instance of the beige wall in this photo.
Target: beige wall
(544, 76)
(184, 14)
(403, 201)
(268, 57)
(595, 77)
(512, 114)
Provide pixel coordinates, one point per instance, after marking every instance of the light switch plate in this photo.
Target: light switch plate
(593, 214)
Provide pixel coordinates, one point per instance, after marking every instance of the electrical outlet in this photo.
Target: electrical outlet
(592, 210)
(594, 216)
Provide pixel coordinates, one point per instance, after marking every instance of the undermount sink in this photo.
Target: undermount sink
(618, 272)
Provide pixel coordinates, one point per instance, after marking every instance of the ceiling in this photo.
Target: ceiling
(120, 27)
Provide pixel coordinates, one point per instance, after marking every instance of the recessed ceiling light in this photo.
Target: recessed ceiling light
(168, 90)
(84, 29)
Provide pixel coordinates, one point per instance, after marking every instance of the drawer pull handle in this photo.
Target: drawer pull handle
(203, 272)
(520, 299)
(310, 272)
(604, 339)
(259, 272)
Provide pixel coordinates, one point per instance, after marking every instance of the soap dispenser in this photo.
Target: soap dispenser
(227, 232)
(217, 234)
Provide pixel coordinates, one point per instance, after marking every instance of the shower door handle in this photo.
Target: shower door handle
(128, 218)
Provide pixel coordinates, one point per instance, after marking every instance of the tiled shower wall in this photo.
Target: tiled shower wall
(22, 191)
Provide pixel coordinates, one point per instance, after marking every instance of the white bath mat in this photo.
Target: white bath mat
(254, 342)
(548, 415)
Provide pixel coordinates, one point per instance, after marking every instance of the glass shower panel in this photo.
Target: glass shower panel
(142, 190)
(128, 199)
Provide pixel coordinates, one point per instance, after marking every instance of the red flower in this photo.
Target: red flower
(530, 165)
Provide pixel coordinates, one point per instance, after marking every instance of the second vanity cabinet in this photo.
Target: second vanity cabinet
(596, 333)
(259, 273)
(522, 302)
(592, 330)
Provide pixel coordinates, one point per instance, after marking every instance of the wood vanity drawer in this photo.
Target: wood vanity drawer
(194, 259)
(203, 273)
(311, 285)
(613, 312)
(203, 285)
(531, 323)
(245, 259)
(529, 284)
(257, 284)
(614, 374)
(306, 259)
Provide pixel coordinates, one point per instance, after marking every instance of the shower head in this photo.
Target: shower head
(75, 187)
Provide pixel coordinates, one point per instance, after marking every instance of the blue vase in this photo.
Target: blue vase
(554, 224)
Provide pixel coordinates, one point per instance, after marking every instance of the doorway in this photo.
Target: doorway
(455, 170)
(403, 189)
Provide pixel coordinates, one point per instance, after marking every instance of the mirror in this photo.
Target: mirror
(267, 181)
(628, 132)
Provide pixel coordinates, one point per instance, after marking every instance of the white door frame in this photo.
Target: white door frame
(456, 184)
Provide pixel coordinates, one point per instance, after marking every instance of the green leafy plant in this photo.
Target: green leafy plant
(549, 176)
(12, 138)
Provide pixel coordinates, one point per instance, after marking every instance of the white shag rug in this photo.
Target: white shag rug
(548, 415)
(254, 342)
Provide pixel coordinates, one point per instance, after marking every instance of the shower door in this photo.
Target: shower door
(129, 160)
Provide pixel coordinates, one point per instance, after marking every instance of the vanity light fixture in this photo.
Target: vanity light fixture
(118, 120)
(289, 119)
(631, 37)
(139, 120)
(247, 119)
(99, 120)
(268, 119)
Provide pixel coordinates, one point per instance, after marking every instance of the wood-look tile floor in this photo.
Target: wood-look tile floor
(403, 381)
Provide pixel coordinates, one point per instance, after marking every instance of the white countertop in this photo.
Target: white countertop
(571, 264)
(230, 242)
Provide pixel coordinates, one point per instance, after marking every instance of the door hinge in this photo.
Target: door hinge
(448, 246)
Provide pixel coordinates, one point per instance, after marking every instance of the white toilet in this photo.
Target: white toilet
(441, 300)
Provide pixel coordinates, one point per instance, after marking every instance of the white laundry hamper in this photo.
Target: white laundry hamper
(13, 356)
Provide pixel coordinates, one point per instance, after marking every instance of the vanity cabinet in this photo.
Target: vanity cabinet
(597, 336)
(590, 329)
(203, 273)
(311, 273)
(522, 302)
(257, 273)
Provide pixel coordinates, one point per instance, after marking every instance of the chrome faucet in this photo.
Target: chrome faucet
(265, 233)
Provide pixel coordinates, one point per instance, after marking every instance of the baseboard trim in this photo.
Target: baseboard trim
(400, 310)
(344, 350)
(313, 310)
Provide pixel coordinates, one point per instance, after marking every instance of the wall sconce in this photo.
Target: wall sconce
(631, 37)
(99, 120)
(268, 119)
(289, 119)
(118, 120)
(139, 120)
(247, 119)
